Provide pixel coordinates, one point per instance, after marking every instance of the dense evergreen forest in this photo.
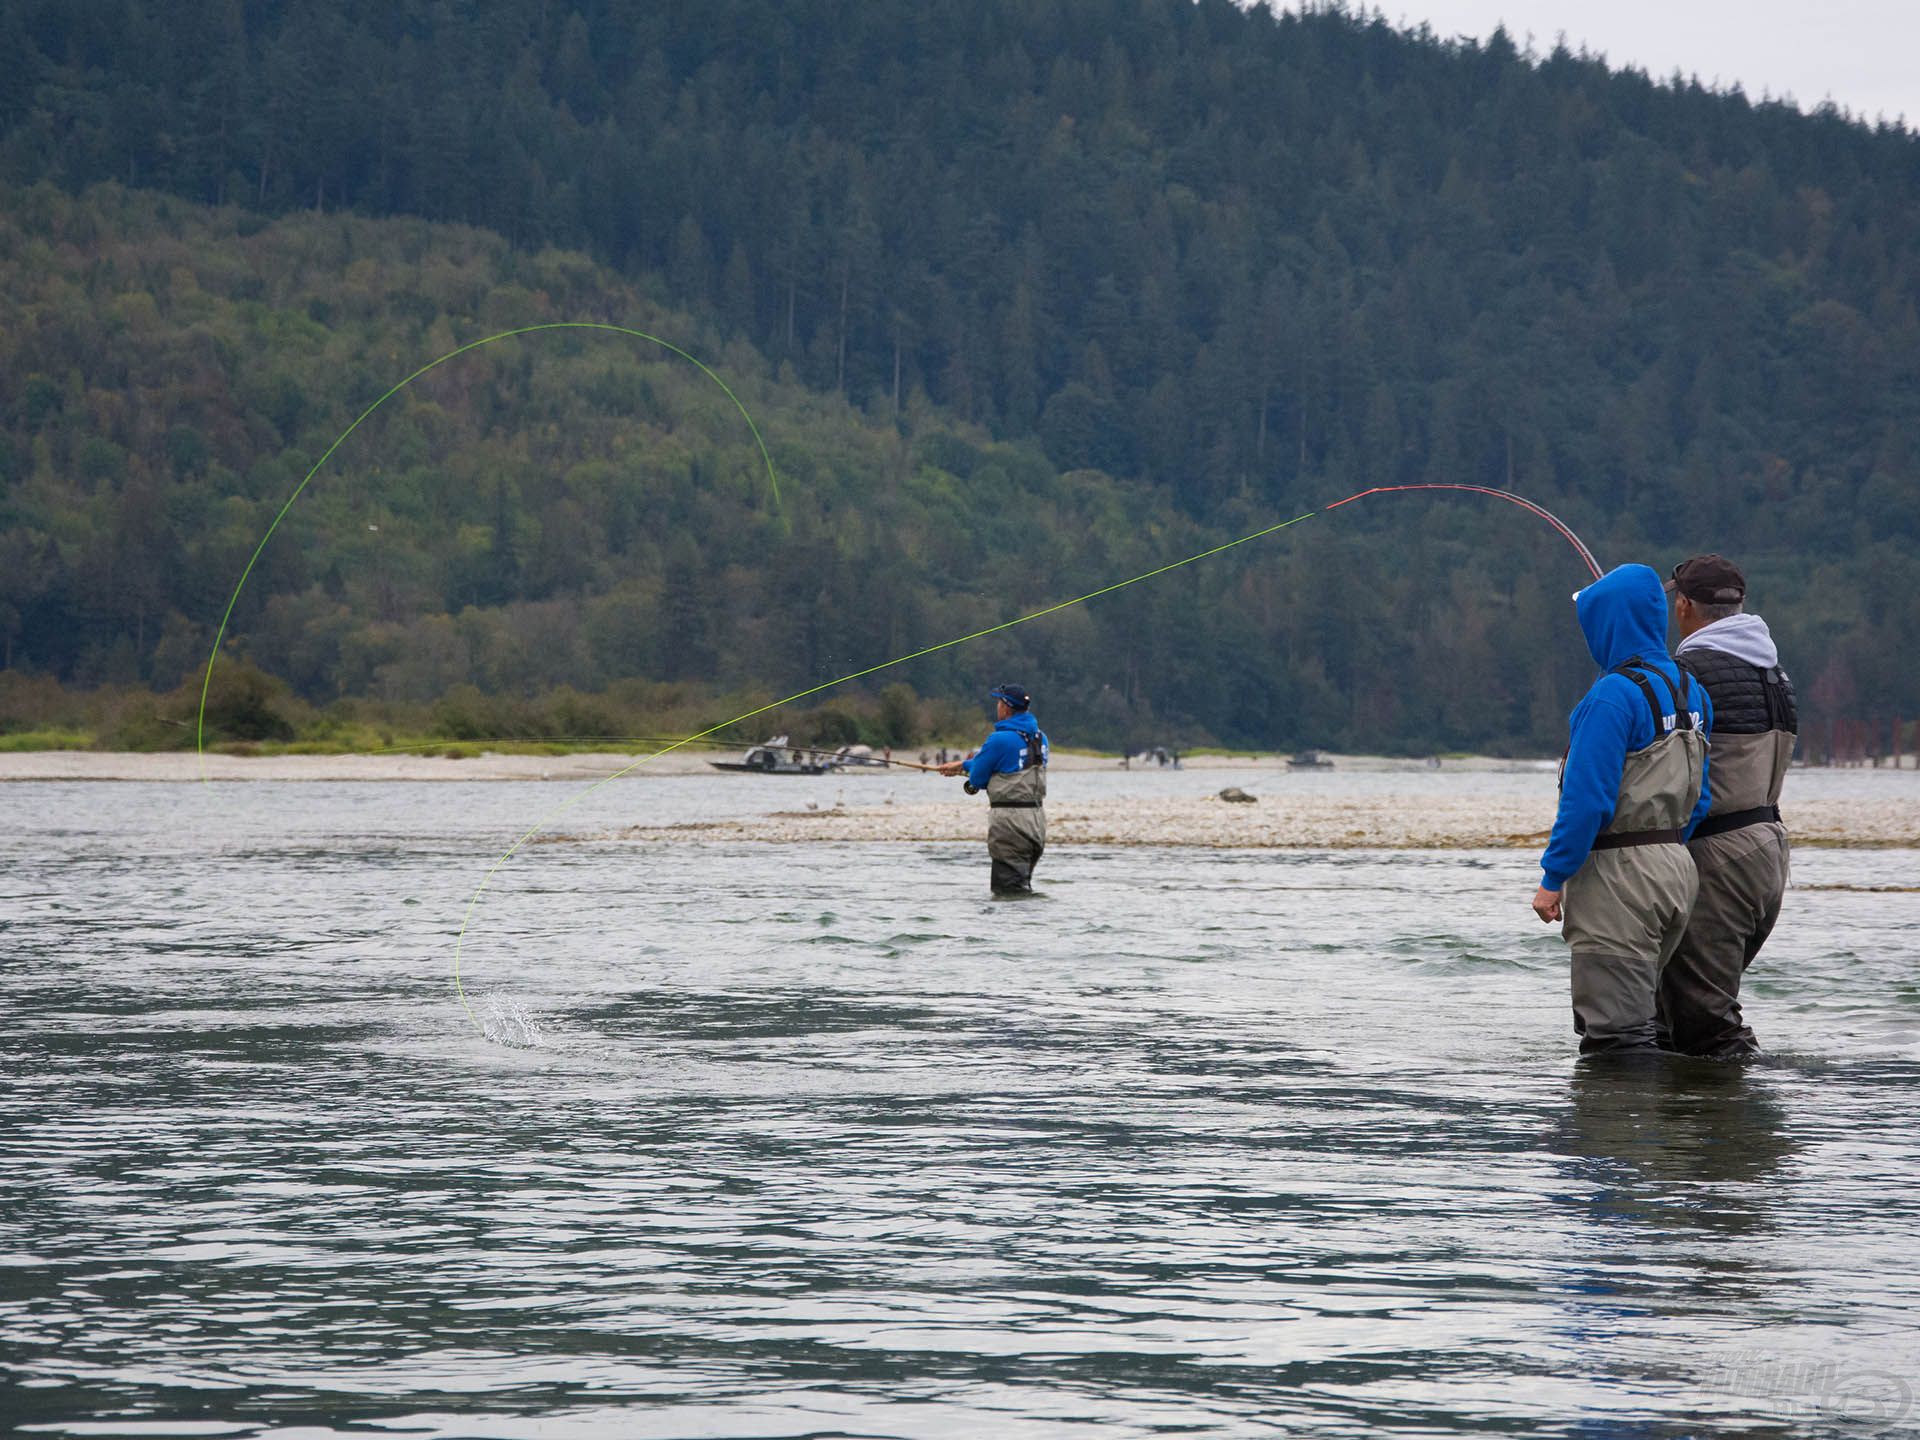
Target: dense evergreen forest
(1026, 295)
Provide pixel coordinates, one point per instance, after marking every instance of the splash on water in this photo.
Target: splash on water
(505, 1021)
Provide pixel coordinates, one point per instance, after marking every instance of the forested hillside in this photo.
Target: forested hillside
(561, 508)
(1026, 295)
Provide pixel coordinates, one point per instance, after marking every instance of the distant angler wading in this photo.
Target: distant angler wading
(1011, 767)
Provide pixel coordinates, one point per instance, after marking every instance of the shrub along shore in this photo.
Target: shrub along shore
(251, 713)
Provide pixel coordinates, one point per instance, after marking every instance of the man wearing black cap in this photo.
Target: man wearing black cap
(1740, 848)
(1011, 766)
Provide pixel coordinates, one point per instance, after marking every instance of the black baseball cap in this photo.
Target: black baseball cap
(1708, 579)
(1013, 695)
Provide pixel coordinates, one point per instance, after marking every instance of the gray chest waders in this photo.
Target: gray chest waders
(1741, 852)
(1626, 908)
(1755, 723)
(1017, 823)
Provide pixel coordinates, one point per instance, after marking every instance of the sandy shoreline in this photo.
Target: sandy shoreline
(1317, 822)
(183, 766)
(1374, 811)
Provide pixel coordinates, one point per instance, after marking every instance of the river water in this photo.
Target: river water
(819, 1141)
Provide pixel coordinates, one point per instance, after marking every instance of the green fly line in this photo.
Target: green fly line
(1565, 531)
(206, 681)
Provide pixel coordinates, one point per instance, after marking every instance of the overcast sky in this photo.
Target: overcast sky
(1865, 54)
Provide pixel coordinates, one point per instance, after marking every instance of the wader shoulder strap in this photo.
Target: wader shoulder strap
(1036, 754)
(1782, 712)
(1637, 672)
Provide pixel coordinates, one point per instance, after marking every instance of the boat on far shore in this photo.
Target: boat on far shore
(779, 756)
(1309, 760)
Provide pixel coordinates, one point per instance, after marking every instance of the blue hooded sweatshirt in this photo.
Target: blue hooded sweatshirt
(1624, 617)
(1005, 750)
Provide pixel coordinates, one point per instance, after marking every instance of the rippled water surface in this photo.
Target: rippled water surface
(819, 1141)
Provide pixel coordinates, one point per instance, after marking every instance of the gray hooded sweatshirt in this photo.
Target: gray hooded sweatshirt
(1745, 637)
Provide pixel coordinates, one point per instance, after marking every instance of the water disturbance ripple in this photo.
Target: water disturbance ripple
(790, 1140)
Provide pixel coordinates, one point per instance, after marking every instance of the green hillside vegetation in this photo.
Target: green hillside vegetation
(1026, 297)
(566, 509)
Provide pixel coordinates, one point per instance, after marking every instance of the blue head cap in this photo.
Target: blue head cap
(1014, 695)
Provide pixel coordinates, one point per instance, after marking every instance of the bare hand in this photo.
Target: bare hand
(953, 767)
(1546, 904)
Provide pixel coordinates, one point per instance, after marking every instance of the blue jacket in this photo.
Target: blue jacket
(1005, 750)
(1624, 617)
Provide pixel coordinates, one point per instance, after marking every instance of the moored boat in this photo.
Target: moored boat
(778, 757)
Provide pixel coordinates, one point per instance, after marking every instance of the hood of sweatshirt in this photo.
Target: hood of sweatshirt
(1021, 720)
(1623, 614)
(1745, 637)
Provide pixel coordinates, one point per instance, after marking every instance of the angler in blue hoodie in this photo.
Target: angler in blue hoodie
(1011, 766)
(1616, 871)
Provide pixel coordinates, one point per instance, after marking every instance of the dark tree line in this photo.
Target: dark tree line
(1239, 263)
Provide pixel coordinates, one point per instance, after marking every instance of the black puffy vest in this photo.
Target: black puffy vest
(1747, 700)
